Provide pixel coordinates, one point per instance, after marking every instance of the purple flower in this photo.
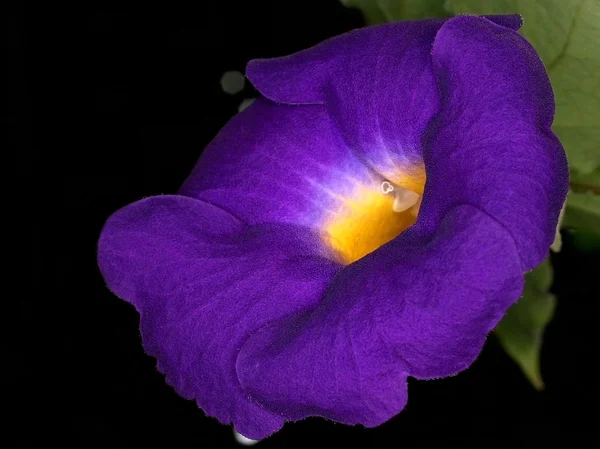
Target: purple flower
(306, 268)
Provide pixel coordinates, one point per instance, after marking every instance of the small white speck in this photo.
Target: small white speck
(232, 82)
(245, 103)
(386, 187)
(241, 439)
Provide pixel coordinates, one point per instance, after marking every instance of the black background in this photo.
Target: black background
(115, 104)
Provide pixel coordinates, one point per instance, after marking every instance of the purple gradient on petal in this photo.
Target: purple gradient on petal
(491, 144)
(278, 163)
(203, 282)
(419, 306)
(377, 83)
(300, 78)
(239, 297)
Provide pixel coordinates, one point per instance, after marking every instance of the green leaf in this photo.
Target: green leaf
(380, 11)
(566, 34)
(585, 240)
(583, 210)
(557, 244)
(521, 330)
(370, 9)
(582, 217)
(413, 9)
(589, 182)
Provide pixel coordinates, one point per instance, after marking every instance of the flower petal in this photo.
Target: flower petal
(377, 82)
(278, 163)
(203, 282)
(300, 78)
(491, 144)
(419, 306)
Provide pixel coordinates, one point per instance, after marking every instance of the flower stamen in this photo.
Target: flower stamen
(404, 199)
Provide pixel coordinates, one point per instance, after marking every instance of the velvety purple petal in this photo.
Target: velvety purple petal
(302, 77)
(377, 82)
(278, 163)
(419, 306)
(491, 144)
(203, 282)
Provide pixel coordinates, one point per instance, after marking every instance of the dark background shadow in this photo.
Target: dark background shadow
(117, 105)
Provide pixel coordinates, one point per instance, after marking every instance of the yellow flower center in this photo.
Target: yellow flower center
(374, 214)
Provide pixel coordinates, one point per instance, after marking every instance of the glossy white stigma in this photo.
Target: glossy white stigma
(403, 198)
